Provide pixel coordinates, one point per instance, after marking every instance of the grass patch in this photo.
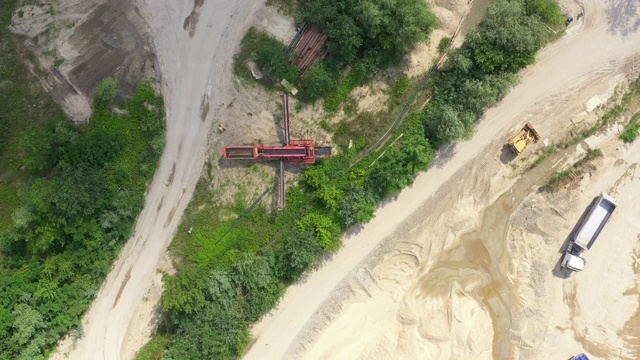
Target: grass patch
(154, 348)
(399, 89)
(543, 154)
(286, 7)
(571, 174)
(212, 243)
(630, 132)
(250, 43)
(335, 98)
(364, 129)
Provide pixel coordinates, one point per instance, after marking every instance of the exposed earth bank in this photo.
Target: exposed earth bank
(72, 45)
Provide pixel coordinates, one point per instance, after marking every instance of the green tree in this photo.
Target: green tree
(215, 333)
(317, 82)
(507, 39)
(260, 287)
(444, 123)
(419, 153)
(390, 174)
(330, 195)
(184, 293)
(300, 252)
(344, 40)
(323, 228)
(548, 11)
(357, 207)
(271, 57)
(315, 177)
(28, 322)
(376, 33)
(106, 91)
(221, 289)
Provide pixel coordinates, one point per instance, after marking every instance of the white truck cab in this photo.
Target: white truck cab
(573, 262)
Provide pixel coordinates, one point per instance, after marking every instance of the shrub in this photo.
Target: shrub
(443, 44)
(272, 59)
(317, 82)
(106, 91)
(630, 132)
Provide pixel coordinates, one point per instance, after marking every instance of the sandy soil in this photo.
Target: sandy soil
(194, 43)
(433, 275)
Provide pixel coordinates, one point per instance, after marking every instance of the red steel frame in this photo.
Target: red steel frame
(293, 152)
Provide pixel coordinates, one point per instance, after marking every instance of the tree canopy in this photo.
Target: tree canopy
(379, 33)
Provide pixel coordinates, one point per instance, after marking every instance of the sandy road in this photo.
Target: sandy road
(578, 66)
(195, 43)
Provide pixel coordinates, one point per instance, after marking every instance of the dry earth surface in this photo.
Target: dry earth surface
(442, 273)
(77, 43)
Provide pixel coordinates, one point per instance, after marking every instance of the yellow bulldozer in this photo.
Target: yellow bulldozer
(524, 137)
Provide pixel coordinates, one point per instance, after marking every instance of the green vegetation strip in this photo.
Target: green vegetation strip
(630, 132)
(84, 190)
(563, 178)
(68, 198)
(628, 135)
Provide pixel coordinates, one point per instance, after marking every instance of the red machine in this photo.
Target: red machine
(293, 152)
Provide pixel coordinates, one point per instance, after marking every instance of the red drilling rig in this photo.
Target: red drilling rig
(292, 151)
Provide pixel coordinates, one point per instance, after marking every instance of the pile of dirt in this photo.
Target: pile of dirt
(79, 43)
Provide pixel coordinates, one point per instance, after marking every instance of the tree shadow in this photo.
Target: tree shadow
(623, 17)
(388, 200)
(444, 154)
(354, 230)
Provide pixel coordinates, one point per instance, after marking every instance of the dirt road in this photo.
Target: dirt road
(195, 42)
(373, 298)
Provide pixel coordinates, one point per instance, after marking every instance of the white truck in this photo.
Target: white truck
(585, 236)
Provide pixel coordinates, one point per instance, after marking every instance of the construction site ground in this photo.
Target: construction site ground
(422, 280)
(464, 264)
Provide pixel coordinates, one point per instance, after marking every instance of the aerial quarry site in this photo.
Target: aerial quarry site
(521, 241)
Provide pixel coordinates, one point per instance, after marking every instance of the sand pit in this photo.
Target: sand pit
(491, 298)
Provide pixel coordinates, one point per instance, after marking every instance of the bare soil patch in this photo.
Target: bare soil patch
(79, 43)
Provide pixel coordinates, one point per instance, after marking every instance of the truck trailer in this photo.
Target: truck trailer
(587, 233)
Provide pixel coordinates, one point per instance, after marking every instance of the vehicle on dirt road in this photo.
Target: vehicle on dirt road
(522, 139)
(587, 233)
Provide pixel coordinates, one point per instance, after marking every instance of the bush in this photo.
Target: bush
(106, 91)
(317, 82)
(376, 33)
(547, 10)
(507, 39)
(271, 58)
(630, 132)
(443, 44)
(77, 208)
